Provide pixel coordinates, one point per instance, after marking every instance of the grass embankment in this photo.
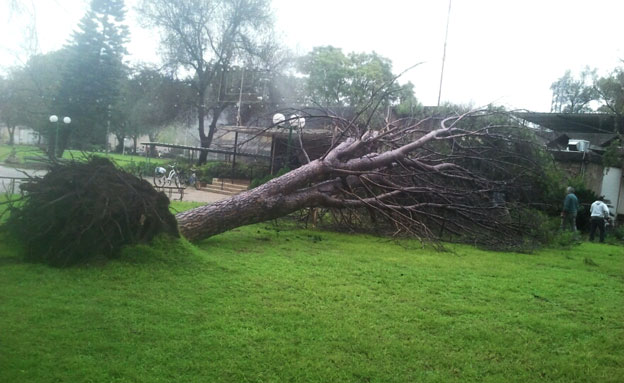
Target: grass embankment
(275, 305)
(26, 152)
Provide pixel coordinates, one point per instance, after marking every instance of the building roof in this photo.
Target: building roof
(574, 122)
(200, 149)
(571, 156)
(279, 132)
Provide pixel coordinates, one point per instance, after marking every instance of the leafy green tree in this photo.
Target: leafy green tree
(573, 95)
(328, 73)
(363, 81)
(610, 90)
(28, 93)
(10, 111)
(92, 75)
(209, 38)
(369, 73)
(408, 105)
(149, 100)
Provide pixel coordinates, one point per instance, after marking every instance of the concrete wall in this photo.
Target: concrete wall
(593, 174)
(590, 172)
(23, 136)
(611, 188)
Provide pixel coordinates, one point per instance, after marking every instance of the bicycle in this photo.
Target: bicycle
(161, 177)
(176, 176)
(191, 180)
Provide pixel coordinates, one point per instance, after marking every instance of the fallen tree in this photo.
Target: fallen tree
(465, 178)
(460, 176)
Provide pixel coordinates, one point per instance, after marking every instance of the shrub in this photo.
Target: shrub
(219, 169)
(545, 230)
(614, 236)
(139, 168)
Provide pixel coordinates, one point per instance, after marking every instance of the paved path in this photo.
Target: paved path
(10, 185)
(190, 194)
(194, 195)
(9, 171)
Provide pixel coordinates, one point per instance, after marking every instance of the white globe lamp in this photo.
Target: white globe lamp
(297, 121)
(278, 119)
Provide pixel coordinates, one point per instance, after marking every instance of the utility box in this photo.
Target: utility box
(578, 146)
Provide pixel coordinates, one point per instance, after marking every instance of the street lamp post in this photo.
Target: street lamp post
(293, 121)
(290, 127)
(108, 118)
(54, 119)
(297, 121)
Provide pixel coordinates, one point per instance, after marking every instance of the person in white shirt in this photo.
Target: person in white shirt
(599, 212)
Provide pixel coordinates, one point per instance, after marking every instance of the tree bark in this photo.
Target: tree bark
(134, 144)
(153, 152)
(312, 185)
(120, 143)
(277, 198)
(201, 116)
(11, 129)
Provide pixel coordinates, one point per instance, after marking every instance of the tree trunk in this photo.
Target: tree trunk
(152, 151)
(216, 113)
(11, 130)
(242, 209)
(206, 139)
(203, 139)
(274, 199)
(120, 143)
(63, 141)
(57, 142)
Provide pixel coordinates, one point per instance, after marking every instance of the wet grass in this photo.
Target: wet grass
(24, 153)
(270, 303)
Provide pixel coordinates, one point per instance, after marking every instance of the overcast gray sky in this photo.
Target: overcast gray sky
(506, 52)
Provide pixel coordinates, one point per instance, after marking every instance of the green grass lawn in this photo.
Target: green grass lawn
(118, 158)
(281, 304)
(21, 152)
(24, 152)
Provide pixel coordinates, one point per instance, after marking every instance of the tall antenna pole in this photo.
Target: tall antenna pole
(448, 18)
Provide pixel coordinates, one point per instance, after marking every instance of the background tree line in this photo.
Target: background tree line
(588, 92)
(216, 54)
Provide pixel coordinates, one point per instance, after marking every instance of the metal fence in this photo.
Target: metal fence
(10, 185)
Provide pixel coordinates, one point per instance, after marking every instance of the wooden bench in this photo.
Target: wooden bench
(170, 190)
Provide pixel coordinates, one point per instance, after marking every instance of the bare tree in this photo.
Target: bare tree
(25, 13)
(420, 177)
(207, 37)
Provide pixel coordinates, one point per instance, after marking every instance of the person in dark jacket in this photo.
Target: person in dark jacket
(570, 209)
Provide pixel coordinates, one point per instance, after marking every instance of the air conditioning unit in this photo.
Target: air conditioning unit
(578, 146)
